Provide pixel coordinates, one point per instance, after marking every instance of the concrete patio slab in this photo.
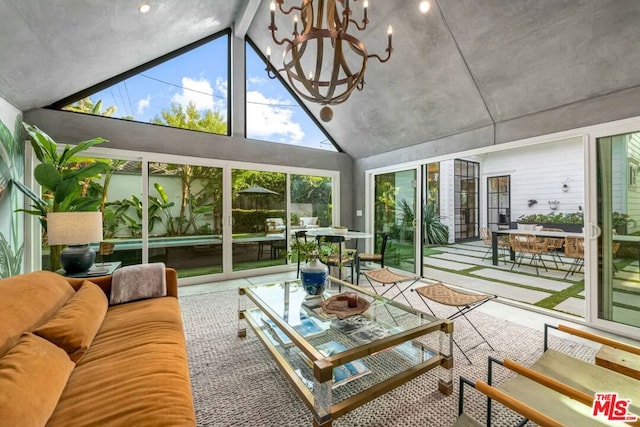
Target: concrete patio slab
(464, 251)
(572, 305)
(627, 275)
(520, 279)
(486, 286)
(449, 265)
(626, 285)
(626, 316)
(626, 299)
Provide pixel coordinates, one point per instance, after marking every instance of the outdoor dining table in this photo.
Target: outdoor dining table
(537, 233)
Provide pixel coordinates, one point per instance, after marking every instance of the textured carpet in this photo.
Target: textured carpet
(236, 383)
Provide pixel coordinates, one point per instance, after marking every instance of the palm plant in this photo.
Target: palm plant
(11, 170)
(63, 180)
(435, 232)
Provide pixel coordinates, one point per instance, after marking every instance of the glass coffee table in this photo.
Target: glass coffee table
(338, 358)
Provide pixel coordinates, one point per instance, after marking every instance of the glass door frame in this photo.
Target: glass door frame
(370, 176)
(33, 248)
(592, 231)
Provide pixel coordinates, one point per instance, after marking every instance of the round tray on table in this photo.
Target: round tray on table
(339, 305)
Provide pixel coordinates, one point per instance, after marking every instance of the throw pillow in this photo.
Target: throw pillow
(33, 375)
(136, 282)
(75, 325)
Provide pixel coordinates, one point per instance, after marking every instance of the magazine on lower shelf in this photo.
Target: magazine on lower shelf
(361, 329)
(308, 328)
(344, 373)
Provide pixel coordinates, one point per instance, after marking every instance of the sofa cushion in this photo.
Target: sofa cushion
(75, 325)
(32, 376)
(27, 301)
(139, 353)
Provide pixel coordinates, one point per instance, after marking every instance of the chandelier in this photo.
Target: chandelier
(322, 61)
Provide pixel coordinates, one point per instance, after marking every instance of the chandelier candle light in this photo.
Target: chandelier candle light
(322, 61)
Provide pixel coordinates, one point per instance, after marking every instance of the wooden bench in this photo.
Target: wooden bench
(619, 360)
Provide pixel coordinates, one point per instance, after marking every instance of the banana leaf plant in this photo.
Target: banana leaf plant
(62, 179)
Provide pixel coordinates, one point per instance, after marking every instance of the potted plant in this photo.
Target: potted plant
(62, 179)
(621, 222)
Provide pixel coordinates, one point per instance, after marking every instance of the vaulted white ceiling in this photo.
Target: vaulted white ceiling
(465, 65)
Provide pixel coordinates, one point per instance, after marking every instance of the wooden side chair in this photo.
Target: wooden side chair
(337, 256)
(372, 257)
(300, 235)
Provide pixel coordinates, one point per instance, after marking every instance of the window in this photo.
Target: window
(188, 91)
(274, 115)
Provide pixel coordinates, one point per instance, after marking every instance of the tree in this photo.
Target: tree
(190, 118)
(87, 106)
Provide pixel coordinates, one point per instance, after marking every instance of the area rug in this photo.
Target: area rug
(236, 383)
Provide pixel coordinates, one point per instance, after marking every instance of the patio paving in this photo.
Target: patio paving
(572, 305)
(535, 282)
(466, 268)
(485, 286)
(449, 265)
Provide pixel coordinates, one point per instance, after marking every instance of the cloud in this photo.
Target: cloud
(143, 104)
(198, 92)
(255, 80)
(267, 121)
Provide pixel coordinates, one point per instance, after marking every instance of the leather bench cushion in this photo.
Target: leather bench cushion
(135, 372)
(32, 376)
(27, 301)
(75, 325)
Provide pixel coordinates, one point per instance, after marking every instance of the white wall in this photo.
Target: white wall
(537, 172)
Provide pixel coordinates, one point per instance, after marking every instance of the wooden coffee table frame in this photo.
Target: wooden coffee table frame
(320, 401)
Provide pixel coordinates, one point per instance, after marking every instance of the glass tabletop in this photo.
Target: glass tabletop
(384, 340)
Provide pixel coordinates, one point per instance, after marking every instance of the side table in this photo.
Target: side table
(100, 269)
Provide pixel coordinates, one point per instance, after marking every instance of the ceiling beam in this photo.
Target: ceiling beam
(242, 24)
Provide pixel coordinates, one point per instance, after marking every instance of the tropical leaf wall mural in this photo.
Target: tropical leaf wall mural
(11, 170)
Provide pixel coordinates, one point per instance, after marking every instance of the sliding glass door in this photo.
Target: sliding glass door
(259, 218)
(395, 214)
(618, 216)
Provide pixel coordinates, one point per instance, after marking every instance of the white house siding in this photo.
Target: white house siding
(633, 192)
(537, 172)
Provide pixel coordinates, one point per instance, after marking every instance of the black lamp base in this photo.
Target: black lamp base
(77, 258)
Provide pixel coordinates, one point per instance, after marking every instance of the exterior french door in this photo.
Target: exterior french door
(498, 202)
(466, 181)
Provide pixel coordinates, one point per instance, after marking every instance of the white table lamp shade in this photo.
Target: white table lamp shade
(74, 228)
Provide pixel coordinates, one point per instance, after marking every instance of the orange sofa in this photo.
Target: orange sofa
(67, 358)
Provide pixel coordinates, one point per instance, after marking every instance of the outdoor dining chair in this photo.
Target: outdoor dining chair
(527, 243)
(554, 244)
(574, 248)
(503, 243)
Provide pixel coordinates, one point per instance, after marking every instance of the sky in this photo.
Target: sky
(200, 76)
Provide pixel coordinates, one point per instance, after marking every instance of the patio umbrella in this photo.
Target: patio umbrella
(256, 190)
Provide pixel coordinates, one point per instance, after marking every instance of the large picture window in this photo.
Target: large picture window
(188, 90)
